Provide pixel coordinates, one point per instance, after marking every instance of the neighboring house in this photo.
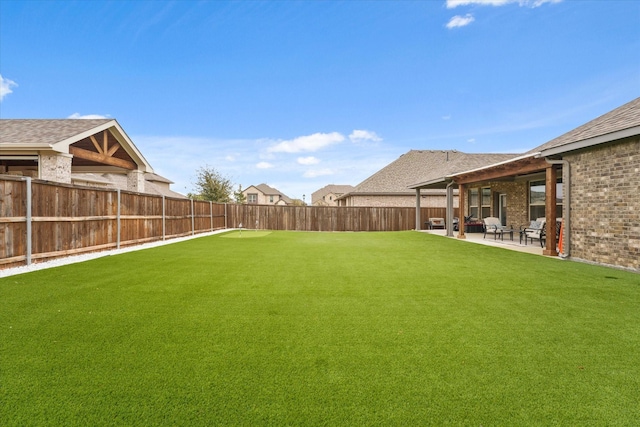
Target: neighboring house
(262, 194)
(589, 177)
(77, 151)
(328, 195)
(390, 185)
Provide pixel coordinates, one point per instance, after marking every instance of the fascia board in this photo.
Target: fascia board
(504, 162)
(590, 142)
(130, 148)
(433, 182)
(26, 148)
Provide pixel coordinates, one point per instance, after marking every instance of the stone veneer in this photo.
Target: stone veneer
(56, 167)
(135, 181)
(605, 204)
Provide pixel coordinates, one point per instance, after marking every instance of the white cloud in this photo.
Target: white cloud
(460, 21)
(313, 173)
(447, 117)
(360, 135)
(471, 140)
(529, 3)
(87, 116)
(308, 160)
(264, 165)
(230, 158)
(313, 142)
(5, 86)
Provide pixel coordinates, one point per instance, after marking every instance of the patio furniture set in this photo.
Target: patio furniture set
(536, 230)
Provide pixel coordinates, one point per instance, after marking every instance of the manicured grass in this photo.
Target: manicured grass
(292, 328)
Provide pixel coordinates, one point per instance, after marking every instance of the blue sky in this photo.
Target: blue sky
(301, 94)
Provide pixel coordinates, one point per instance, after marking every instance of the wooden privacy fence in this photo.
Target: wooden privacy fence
(324, 218)
(42, 220)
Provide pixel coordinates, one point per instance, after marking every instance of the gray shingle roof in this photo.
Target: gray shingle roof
(423, 165)
(44, 131)
(624, 117)
(336, 189)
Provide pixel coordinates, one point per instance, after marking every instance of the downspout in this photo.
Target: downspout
(566, 183)
(450, 208)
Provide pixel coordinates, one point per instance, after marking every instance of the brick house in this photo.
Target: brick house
(95, 153)
(589, 177)
(328, 195)
(263, 194)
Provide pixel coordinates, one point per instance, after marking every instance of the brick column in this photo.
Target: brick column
(56, 167)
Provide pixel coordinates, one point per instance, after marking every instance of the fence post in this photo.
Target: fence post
(163, 219)
(118, 222)
(193, 225)
(211, 215)
(225, 216)
(28, 220)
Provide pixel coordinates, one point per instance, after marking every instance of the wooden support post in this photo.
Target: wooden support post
(461, 202)
(550, 211)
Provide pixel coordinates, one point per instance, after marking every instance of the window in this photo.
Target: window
(537, 194)
(252, 198)
(270, 199)
(486, 202)
(473, 202)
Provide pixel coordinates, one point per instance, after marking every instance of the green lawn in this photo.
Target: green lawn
(292, 328)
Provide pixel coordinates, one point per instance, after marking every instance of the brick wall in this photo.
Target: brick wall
(426, 201)
(517, 204)
(605, 204)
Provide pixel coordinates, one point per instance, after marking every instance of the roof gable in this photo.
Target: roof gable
(270, 191)
(59, 134)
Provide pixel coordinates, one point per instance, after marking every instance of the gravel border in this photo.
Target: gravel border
(93, 255)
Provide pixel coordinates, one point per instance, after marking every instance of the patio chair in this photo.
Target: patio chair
(436, 223)
(543, 235)
(534, 231)
(493, 225)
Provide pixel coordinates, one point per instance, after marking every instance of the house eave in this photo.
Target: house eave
(590, 142)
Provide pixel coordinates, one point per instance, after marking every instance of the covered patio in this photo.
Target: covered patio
(500, 188)
(507, 243)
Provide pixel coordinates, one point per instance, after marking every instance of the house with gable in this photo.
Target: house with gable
(328, 195)
(263, 194)
(95, 153)
(587, 180)
(390, 186)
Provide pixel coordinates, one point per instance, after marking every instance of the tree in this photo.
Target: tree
(239, 196)
(212, 186)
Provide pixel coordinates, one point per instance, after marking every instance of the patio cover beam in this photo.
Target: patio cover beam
(519, 167)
